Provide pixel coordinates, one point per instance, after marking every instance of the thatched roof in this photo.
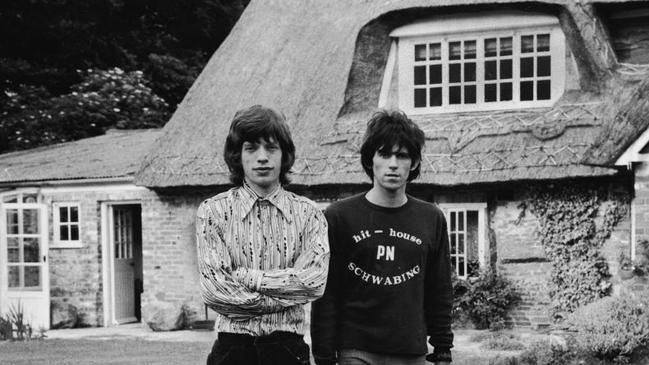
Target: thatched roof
(115, 154)
(307, 59)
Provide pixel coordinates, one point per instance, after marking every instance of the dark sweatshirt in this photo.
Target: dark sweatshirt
(389, 283)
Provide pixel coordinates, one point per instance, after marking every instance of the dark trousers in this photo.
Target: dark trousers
(278, 348)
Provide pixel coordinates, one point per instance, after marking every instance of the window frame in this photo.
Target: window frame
(56, 223)
(468, 28)
(481, 209)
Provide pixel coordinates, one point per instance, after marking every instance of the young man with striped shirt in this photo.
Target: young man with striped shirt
(263, 252)
(389, 285)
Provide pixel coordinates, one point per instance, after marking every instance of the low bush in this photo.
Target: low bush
(613, 327)
(498, 340)
(14, 327)
(484, 300)
(547, 352)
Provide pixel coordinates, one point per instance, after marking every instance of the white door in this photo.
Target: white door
(122, 237)
(24, 273)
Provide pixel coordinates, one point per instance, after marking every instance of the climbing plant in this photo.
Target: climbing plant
(575, 220)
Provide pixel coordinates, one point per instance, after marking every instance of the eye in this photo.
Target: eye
(383, 154)
(403, 156)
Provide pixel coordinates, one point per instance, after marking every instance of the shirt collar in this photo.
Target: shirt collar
(277, 198)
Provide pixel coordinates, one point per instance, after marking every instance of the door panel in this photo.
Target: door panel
(24, 282)
(124, 264)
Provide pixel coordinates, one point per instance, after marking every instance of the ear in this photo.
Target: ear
(414, 165)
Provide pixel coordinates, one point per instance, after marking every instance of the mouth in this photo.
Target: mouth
(262, 169)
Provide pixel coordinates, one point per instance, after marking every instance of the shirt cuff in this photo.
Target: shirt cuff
(440, 354)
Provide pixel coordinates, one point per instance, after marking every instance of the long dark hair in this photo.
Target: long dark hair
(389, 128)
(251, 125)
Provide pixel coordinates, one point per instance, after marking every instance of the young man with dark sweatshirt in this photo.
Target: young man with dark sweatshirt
(389, 284)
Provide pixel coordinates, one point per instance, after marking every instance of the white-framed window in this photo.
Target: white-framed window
(481, 62)
(467, 236)
(67, 225)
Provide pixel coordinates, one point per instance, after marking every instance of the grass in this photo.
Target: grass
(113, 351)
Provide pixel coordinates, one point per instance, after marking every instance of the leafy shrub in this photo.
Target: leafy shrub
(547, 352)
(621, 326)
(484, 300)
(498, 340)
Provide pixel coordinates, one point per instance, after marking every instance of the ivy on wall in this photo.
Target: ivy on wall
(575, 220)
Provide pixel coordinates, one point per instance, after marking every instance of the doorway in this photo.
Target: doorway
(123, 262)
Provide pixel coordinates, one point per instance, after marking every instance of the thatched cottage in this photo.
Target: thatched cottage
(534, 114)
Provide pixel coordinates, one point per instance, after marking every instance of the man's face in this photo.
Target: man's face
(391, 169)
(262, 164)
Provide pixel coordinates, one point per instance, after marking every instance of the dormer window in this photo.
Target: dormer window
(486, 62)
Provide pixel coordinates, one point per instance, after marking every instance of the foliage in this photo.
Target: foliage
(104, 99)
(572, 239)
(44, 43)
(14, 327)
(484, 300)
(498, 340)
(621, 326)
(547, 352)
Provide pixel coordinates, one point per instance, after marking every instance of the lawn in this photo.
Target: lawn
(114, 351)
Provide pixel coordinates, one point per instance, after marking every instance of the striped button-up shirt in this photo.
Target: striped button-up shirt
(261, 259)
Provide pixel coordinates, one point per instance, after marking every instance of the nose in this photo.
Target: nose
(262, 155)
(392, 162)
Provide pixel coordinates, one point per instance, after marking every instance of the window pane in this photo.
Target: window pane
(527, 67)
(74, 214)
(420, 75)
(490, 47)
(74, 232)
(453, 245)
(490, 70)
(435, 76)
(29, 198)
(31, 250)
(506, 46)
(527, 43)
(63, 233)
(527, 90)
(13, 254)
(14, 276)
(505, 69)
(506, 91)
(436, 96)
(469, 94)
(435, 52)
(460, 266)
(13, 241)
(543, 42)
(455, 95)
(469, 49)
(460, 244)
(63, 214)
(543, 66)
(453, 218)
(543, 90)
(454, 72)
(454, 50)
(469, 71)
(30, 221)
(420, 52)
(12, 221)
(490, 92)
(460, 221)
(32, 276)
(420, 98)
(10, 199)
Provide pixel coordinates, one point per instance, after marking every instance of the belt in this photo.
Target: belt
(227, 338)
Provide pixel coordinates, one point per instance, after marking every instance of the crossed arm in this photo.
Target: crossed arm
(240, 292)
